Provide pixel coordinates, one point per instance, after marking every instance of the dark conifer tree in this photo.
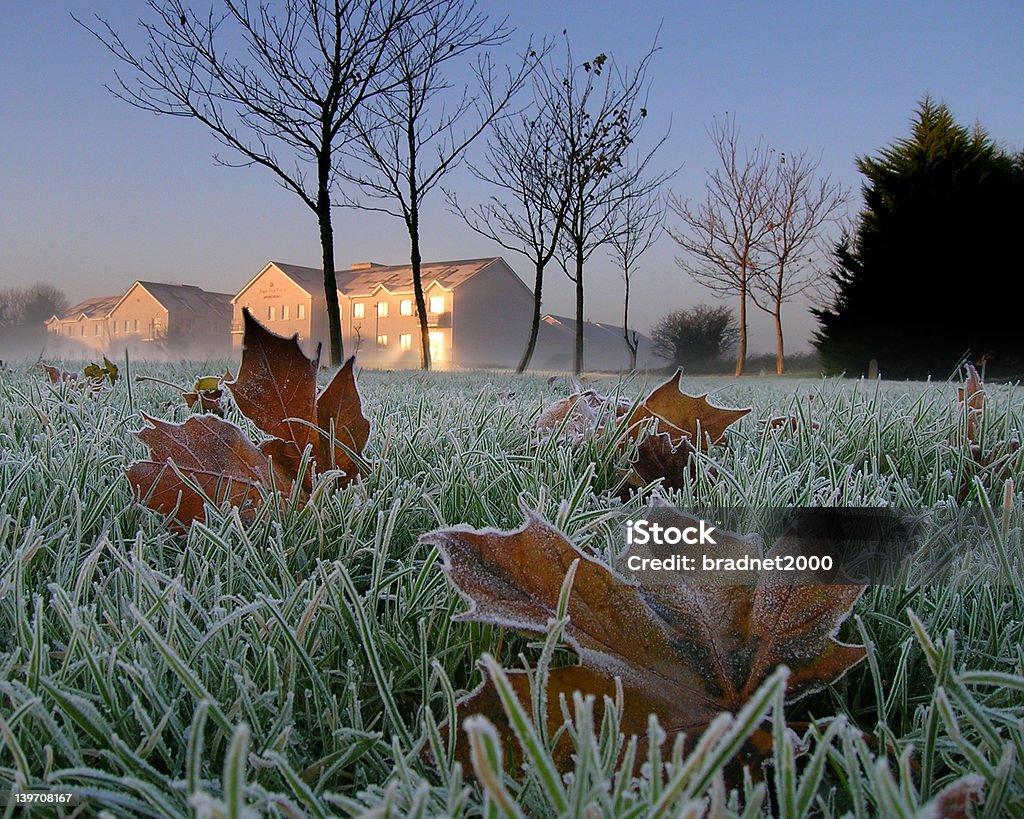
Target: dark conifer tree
(932, 272)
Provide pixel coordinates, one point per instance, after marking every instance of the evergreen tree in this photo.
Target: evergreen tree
(931, 272)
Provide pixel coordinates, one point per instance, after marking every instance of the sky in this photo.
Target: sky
(96, 194)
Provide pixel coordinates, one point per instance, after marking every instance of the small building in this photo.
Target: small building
(604, 347)
(85, 324)
(176, 318)
(478, 311)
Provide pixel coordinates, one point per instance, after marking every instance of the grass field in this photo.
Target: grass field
(300, 664)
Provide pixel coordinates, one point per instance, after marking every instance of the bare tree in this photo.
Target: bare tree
(412, 134)
(597, 122)
(802, 204)
(639, 220)
(523, 160)
(277, 84)
(23, 311)
(722, 234)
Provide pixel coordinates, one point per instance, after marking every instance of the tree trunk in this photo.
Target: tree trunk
(531, 344)
(631, 341)
(577, 359)
(336, 344)
(741, 357)
(417, 286)
(780, 354)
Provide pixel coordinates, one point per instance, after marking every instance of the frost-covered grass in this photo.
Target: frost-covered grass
(298, 666)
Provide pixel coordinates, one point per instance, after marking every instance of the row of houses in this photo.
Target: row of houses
(478, 315)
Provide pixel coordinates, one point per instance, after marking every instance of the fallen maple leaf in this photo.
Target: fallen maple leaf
(681, 415)
(679, 424)
(685, 652)
(276, 389)
(57, 375)
(998, 460)
(96, 377)
(658, 456)
(214, 454)
(971, 397)
(958, 798)
(97, 373)
(577, 416)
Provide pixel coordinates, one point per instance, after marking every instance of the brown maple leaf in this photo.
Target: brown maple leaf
(998, 460)
(209, 459)
(685, 652)
(692, 416)
(659, 457)
(666, 443)
(958, 798)
(577, 416)
(57, 375)
(212, 453)
(96, 377)
(276, 390)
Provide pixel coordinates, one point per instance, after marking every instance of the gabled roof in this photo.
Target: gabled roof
(362, 281)
(308, 278)
(179, 298)
(593, 331)
(94, 308)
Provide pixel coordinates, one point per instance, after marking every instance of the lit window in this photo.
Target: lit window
(405, 341)
(437, 304)
(382, 341)
(358, 309)
(271, 312)
(405, 307)
(382, 309)
(300, 311)
(284, 312)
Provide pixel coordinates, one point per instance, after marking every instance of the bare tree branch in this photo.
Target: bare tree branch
(279, 85)
(416, 129)
(722, 235)
(802, 206)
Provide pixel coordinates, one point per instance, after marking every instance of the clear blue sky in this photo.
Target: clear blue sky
(97, 194)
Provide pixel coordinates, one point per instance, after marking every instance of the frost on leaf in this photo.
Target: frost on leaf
(685, 652)
(276, 390)
(203, 458)
(207, 458)
(208, 393)
(97, 377)
(690, 416)
(577, 416)
(996, 460)
(668, 425)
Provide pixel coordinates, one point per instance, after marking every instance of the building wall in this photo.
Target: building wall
(138, 319)
(280, 305)
(393, 340)
(90, 334)
(491, 318)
